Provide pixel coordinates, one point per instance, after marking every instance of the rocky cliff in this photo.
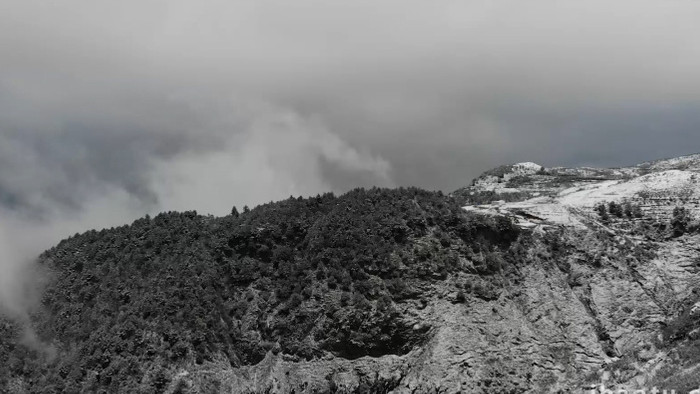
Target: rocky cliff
(532, 280)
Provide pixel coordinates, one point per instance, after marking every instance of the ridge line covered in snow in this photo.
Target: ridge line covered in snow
(572, 202)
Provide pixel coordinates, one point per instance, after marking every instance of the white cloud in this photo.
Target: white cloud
(278, 153)
(112, 110)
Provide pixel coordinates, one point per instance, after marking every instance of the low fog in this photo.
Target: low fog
(112, 111)
(57, 184)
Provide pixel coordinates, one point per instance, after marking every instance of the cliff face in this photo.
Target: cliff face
(531, 279)
(582, 310)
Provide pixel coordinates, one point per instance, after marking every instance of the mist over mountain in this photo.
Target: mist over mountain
(109, 112)
(421, 251)
(531, 279)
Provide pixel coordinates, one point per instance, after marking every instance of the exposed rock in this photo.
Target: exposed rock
(580, 299)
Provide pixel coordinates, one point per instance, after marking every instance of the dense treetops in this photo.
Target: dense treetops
(305, 277)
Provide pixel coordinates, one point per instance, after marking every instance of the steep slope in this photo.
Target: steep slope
(185, 302)
(535, 195)
(644, 282)
(530, 280)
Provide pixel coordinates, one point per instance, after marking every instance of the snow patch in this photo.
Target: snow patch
(573, 206)
(527, 167)
(671, 181)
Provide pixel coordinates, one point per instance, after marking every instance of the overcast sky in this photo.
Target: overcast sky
(110, 110)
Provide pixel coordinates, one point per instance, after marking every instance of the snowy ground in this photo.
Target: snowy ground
(573, 206)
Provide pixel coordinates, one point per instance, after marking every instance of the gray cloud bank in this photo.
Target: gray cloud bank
(111, 111)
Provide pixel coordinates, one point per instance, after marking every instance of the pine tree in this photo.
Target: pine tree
(680, 221)
(637, 211)
(615, 209)
(627, 207)
(602, 212)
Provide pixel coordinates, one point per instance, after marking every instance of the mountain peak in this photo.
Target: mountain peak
(530, 280)
(570, 196)
(528, 165)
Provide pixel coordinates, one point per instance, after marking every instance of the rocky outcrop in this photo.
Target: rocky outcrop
(561, 321)
(583, 296)
(586, 303)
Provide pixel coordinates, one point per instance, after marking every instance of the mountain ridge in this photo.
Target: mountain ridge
(531, 279)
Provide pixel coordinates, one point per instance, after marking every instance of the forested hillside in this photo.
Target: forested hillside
(127, 308)
(554, 280)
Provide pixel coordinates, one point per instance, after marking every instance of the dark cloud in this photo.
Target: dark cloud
(441, 92)
(110, 111)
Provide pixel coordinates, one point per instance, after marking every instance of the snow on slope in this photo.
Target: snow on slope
(689, 162)
(497, 179)
(526, 167)
(656, 192)
(669, 182)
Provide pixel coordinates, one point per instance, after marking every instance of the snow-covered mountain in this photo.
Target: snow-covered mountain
(537, 196)
(629, 251)
(530, 280)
